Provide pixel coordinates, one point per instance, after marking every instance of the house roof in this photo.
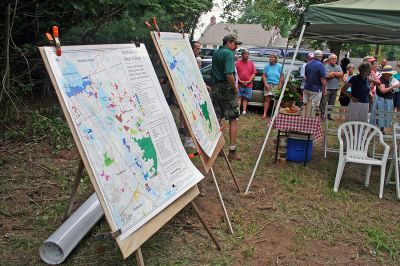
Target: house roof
(249, 34)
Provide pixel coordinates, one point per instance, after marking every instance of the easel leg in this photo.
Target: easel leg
(77, 181)
(213, 238)
(139, 257)
(222, 201)
(230, 170)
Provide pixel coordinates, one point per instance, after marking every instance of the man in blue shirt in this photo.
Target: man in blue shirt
(272, 80)
(315, 84)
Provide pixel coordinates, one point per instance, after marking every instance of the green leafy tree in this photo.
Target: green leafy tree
(269, 13)
(80, 22)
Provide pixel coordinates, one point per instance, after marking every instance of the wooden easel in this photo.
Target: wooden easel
(207, 162)
(147, 230)
(133, 242)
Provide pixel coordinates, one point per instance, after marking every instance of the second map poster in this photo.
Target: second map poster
(191, 89)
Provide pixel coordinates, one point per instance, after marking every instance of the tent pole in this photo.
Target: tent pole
(276, 109)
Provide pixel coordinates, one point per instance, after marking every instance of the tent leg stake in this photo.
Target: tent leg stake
(276, 110)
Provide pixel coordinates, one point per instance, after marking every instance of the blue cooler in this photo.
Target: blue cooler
(296, 148)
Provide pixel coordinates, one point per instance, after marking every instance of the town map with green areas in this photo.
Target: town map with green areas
(136, 156)
(190, 89)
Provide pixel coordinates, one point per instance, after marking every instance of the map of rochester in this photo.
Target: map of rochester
(190, 89)
(126, 129)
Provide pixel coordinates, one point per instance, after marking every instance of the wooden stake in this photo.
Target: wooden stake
(139, 257)
(77, 181)
(230, 170)
(213, 238)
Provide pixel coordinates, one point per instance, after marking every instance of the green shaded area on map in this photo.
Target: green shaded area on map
(107, 160)
(204, 109)
(149, 151)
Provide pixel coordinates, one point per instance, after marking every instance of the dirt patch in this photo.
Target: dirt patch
(291, 216)
(275, 243)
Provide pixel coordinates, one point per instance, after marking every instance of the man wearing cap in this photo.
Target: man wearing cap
(310, 56)
(315, 84)
(272, 79)
(224, 91)
(334, 74)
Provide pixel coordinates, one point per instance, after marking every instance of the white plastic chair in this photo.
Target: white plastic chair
(395, 159)
(358, 136)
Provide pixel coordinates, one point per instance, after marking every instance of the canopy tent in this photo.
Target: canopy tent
(359, 21)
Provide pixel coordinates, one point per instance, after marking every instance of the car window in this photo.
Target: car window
(206, 70)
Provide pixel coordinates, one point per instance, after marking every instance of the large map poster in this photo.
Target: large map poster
(190, 89)
(126, 129)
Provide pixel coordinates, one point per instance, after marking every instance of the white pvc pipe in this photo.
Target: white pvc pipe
(60, 244)
(276, 110)
(222, 201)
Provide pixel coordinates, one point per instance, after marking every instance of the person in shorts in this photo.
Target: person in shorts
(246, 72)
(272, 79)
(315, 84)
(224, 91)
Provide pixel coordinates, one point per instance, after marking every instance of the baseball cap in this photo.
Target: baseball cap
(318, 53)
(231, 37)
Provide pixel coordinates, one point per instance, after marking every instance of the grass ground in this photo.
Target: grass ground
(291, 217)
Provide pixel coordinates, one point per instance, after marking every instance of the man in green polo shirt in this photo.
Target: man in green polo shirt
(224, 91)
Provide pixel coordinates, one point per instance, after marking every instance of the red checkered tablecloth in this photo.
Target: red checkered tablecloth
(298, 123)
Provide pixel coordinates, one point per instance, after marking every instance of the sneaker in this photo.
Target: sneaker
(189, 143)
(244, 113)
(233, 156)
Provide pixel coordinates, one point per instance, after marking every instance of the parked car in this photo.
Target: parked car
(302, 54)
(263, 51)
(207, 52)
(258, 88)
(206, 62)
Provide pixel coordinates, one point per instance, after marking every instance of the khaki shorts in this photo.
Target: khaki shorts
(313, 97)
(225, 101)
(274, 89)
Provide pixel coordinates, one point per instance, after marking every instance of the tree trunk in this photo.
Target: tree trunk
(335, 47)
(196, 20)
(377, 51)
(6, 63)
